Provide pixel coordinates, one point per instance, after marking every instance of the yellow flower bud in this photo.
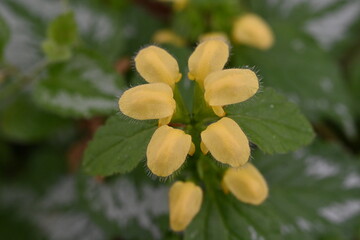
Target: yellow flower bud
(167, 36)
(229, 86)
(148, 101)
(214, 36)
(209, 56)
(185, 202)
(252, 30)
(167, 150)
(226, 142)
(246, 183)
(156, 65)
(179, 5)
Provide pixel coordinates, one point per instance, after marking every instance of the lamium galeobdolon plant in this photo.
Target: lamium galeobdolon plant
(205, 130)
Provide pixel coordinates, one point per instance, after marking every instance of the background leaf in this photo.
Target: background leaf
(311, 195)
(271, 122)
(305, 73)
(118, 146)
(63, 29)
(22, 121)
(82, 87)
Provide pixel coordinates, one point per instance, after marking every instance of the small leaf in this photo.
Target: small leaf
(271, 122)
(118, 146)
(63, 29)
(82, 87)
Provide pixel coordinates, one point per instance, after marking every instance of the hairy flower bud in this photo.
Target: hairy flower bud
(185, 201)
(209, 56)
(246, 183)
(226, 142)
(148, 101)
(230, 86)
(167, 150)
(252, 30)
(156, 65)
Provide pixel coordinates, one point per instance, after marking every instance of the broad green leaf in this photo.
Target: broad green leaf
(312, 193)
(63, 29)
(118, 146)
(271, 122)
(82, 87)
(23, 121)
(4, 36)
(306, 74)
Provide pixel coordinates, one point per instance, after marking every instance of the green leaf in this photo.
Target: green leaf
(305, 73)
(23, 121)
(63, 29)
(312, 193)
(118, 146)
(271, 122)
(4, 36)
(82, 87)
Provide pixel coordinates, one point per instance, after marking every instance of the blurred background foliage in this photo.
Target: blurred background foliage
(63, 65)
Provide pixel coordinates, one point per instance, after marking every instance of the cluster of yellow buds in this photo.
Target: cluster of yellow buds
(224, 139)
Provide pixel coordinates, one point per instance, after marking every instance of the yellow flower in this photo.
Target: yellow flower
(156, 65)
(167, 36)
(185, 201)
(214, 36)
(226, 142)
(149, 101)
(167, 150)
(246, 183)
(209, 56)
(252, 30)
(228, 87)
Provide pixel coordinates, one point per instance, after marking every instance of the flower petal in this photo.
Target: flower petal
(247, 184)
(209, 56)
(230, 86)
(167, 150)
(156, 65)
(185, 200)
(252, 30)
(148, 101)
(227, 142)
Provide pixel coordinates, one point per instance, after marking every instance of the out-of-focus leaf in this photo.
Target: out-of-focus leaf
(63, 29)
(271, 122)
(354, 72)
(131, 206)
(311, 194)
(55, 52)
(4, 36)
(23, 121)
(299, 68)
(118, 146)
(82, 87)
(15, 227)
